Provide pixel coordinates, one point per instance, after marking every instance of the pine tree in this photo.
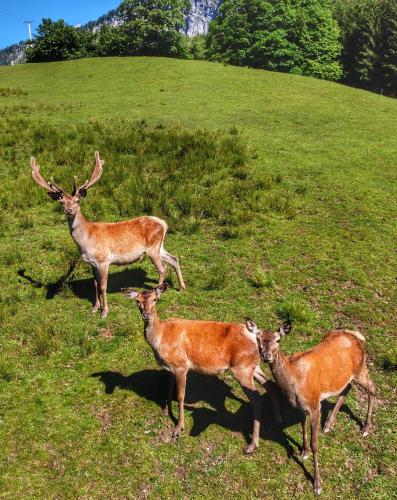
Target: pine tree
(359, 50)
(386, 68)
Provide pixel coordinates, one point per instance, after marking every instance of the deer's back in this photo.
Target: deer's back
(328, 367)
(124, 242)
(145, 229)
(205, 346)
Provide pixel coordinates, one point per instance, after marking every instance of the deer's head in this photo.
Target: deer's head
(268, 341)
(147, 299)
(69, 202)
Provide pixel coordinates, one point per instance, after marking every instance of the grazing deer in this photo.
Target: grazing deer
(308, 378)
(208, 347)
(102, 243)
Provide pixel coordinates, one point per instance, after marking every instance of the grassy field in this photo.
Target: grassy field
(281, 194)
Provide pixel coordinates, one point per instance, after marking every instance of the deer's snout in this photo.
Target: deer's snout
(266, 357)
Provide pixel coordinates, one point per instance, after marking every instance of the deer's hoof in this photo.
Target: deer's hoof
(327, 428)
(317, 490)
(182, 288)
(305, 454)
(365, 432)
(104, 313)
(177, 431)
(249, 449)
(95, 309)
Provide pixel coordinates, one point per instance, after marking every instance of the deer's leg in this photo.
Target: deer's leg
(174, 261)
(315, 426)
(168, 402)
(305, 450)
(156, 259)
(247, 384)
(97, 304)
(331, 419)
(363, 380)
(260, 377)
(180, 378)
(103, 276)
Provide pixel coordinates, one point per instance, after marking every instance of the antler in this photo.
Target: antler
(51, 187)
(96, 175)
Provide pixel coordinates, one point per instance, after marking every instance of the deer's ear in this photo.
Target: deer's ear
(55, 196)
(161, 289)
(251, 326)
(130, 293)
(285, 328)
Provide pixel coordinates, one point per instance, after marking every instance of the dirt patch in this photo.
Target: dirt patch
(104, 418)
(106, 334)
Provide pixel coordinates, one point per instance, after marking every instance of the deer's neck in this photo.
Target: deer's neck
(153, 330)
(78, 226)
(284, 376)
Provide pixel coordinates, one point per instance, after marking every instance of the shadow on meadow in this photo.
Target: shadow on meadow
(152, 385)
(84, 288)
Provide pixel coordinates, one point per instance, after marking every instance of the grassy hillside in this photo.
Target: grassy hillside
(281, 192)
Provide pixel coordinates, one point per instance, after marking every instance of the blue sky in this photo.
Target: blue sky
(13, 13)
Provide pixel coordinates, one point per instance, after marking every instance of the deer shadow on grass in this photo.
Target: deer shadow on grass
(213, 392)
(327, 407)
(152, 385)
(84, 288)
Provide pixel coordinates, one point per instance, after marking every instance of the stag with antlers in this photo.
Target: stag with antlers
(101, 243)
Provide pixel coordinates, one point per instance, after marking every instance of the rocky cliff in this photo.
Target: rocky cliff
(13, 54)
(201, 14)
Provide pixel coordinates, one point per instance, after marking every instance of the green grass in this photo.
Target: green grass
(281, 195)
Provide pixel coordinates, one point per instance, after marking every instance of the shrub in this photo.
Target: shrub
(217, 277)
(261, 279)
(197, 47)
(390, 360)
(8, 370)
(184, 177)
(295, 310)
(12, 91)
(43, 342)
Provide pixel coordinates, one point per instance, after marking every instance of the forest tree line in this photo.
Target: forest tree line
(353, 41)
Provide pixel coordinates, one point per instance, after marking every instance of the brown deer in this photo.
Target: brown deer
(104, 243)
(308, 378)
(208, 347)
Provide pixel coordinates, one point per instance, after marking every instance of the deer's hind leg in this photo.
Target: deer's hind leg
(364, 381)
(174, 261)
(246, 381)
(331, 419)
(154, 256)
